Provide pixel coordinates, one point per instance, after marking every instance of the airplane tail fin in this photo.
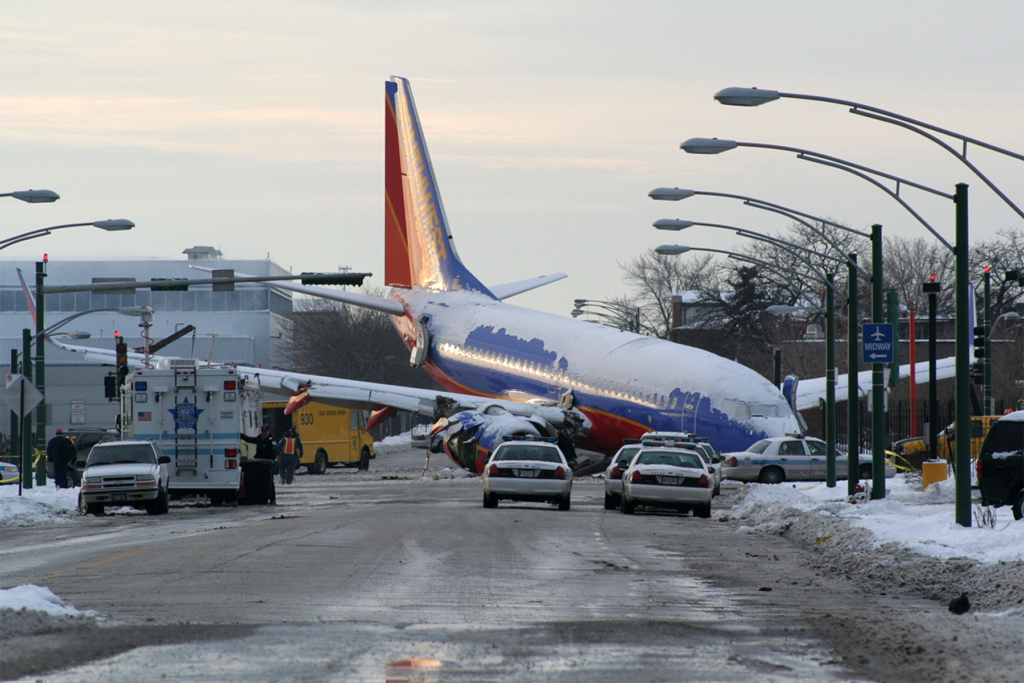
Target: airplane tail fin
(417, 242)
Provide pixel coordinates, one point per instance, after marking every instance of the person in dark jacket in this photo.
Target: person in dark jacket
(291, 452)
(266, 451)
(61, 452)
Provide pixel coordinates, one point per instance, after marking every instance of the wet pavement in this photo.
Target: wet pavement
(388, 577)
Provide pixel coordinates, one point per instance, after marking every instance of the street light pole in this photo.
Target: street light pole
(852, 386)
(877, 372)
(110, 225)
(963, 361)
(40, 363)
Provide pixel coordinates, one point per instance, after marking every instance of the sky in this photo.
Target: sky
(256, 126)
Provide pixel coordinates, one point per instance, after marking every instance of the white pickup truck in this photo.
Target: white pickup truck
(119, 473)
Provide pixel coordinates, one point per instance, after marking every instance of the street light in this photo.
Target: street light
(746, 97)
(113, 224)
(830, 291)
(852, 395)
(717, 146)
(34, 196)
(39, 339)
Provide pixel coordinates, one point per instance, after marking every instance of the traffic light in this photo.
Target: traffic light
(332, 278)
(121, 350)
(173, 284)
(110, 387)
(979, 342)
(933, 286)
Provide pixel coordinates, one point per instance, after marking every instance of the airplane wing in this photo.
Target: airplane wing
(810, 392)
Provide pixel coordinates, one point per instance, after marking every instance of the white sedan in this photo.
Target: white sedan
(790, 458)
(613, 475)
(528, 470)
(667, 477)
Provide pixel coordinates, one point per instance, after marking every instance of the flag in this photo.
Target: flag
(145, 416)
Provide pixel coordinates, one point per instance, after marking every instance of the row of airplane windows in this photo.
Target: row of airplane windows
(564, 381)
(558, 376)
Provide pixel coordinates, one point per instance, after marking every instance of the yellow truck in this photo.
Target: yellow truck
(914, 451)
(330, 435)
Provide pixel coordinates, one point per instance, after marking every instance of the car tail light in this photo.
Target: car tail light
(978, 468)
(230, 452)
(492, 470)
(231, 464)
(704, 481)
(636, 477)
(731, 462)
(559, 473)
(229, 385)
(616, 472)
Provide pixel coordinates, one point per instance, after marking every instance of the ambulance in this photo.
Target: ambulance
(195, 414)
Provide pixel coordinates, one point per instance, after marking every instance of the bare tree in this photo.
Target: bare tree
(654, 278)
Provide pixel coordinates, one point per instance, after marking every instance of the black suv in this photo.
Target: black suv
(1001, 464)
(84, 440)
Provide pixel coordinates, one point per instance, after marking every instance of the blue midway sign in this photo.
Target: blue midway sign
(877, 343)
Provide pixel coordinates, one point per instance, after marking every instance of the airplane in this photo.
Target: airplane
(514, 371)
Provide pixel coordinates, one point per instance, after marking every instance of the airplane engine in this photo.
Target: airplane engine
(469, 436)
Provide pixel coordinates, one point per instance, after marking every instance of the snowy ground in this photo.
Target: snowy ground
(909, 539)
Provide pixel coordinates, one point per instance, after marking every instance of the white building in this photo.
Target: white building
(249, 326)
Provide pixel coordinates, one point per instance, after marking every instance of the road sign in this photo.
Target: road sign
(21, 394)
(877, 343)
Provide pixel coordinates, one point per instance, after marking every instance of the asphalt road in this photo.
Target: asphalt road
(387, 576)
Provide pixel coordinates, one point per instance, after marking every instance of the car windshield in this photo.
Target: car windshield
(759, 446)
(626, 456)
(527, 452)
(665, 458)
(131, 453)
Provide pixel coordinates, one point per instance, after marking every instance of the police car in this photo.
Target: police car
(613, 475)
(666, 476)
(527, 469)
(790, 458)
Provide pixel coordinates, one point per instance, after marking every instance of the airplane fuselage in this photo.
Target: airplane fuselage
(626, 384)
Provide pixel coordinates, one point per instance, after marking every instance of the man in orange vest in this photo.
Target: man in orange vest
(291, 451)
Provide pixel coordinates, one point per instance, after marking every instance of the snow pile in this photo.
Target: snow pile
(908, 542)
(393, 443)
(38, 599)
(922, 521)
(37, 505)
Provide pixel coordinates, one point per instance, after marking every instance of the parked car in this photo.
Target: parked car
(119, 473)
(84, 440)
(9, 473)
(667, 477)
(1000, 464)
(613, 475)
(790, 458)
(707, 452)
(527, 469)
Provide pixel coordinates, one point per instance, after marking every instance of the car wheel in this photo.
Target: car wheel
(83, 508)
(717, 491)
(564, 503)
(628, 506)
(771, 475)
(319, 465)
(158, 506)
(364, 459)
(1017, 505)
(215, 499)
(490, 500)
(703, 510)
(609, 501)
